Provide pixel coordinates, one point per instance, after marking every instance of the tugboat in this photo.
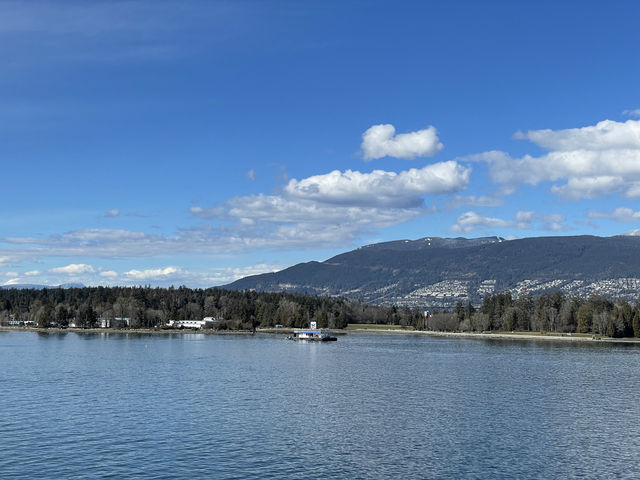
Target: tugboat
(313, 334)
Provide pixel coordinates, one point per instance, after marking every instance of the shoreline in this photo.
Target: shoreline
(561, 337)
(119, 331)
(367, 331)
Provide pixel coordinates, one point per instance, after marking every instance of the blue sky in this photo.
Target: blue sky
(169, 142)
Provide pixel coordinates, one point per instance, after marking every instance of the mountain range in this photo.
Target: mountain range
(437, 272)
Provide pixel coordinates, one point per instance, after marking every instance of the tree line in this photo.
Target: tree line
(147, 307)
(550, 312)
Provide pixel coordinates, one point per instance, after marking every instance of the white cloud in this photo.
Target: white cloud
(321, 211)
(633, 190)
(523, 220)
(554, 223)
(108, 274)
(73, 269)
(470, 221)
(586, 162)
(381, 188)
(108, 32)
(605, 135)
(205, 239)
(209, 213)
(152, 274)
(317, 212)
(228, 275)
(588, 187)
(381, 141)
(94, 242)
(326, 210)
(161, 276)
(621, 214)
(475, 201)
(251, 174)
(102, 243)
(6, 259)
(177, 275)
(277, 209)
(525, 216)
(632, 112)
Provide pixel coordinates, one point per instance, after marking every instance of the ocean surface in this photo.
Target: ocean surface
(367, 406)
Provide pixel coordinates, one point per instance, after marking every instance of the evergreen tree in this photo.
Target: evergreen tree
(636, 323)
(585, 317)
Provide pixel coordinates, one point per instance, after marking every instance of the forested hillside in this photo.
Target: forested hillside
(439, 272)
(154, 307)
(549, 312)
(248, 310)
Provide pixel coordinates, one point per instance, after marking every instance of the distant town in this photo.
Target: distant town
(446, 294)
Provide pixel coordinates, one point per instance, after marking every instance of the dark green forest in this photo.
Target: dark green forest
(547, 313)
(148, 307)
(153, 307)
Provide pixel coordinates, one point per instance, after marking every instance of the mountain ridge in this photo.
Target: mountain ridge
(438, 272)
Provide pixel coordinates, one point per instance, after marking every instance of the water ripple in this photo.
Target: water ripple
(367, 406)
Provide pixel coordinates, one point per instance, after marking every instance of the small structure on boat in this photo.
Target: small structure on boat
(313, 334)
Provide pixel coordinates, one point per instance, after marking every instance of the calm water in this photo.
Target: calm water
(367, 406)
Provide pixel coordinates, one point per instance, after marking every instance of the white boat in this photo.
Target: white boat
(313, 335)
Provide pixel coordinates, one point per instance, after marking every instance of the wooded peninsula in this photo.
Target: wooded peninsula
(148, 308)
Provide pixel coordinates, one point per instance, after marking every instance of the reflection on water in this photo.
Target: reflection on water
(367, 406)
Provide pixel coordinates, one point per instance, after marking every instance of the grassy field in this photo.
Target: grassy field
(373, 326)
(547, 334)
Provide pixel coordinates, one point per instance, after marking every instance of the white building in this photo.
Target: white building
(117, 322)
(206, 322)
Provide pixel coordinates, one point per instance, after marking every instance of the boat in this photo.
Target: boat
(313, 335)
